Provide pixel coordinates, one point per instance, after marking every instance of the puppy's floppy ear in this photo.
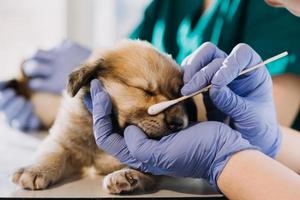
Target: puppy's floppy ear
(83, 76)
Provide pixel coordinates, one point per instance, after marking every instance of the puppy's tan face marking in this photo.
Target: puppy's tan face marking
(137, 76)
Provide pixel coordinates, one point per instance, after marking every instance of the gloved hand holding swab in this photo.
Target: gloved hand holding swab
(159, 107)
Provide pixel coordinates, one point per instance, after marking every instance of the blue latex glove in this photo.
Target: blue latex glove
(199, 68)
(247, 99)
(49, 69)
(17, 110)
(199, 151)
(99, 104)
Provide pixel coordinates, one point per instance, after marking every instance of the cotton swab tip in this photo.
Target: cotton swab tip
(157, 108)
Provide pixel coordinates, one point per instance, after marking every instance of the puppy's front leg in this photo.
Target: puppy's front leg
(128, 180)
(47, 168)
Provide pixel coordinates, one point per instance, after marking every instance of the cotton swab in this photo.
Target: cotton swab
(159, 107)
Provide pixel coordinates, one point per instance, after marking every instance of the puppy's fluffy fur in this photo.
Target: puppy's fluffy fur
(136, 76)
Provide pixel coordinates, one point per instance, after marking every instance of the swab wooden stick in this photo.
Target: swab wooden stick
(159, 107)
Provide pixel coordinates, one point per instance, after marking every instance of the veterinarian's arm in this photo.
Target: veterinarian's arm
(17, 110)
(290, 148)
(214, 155)
(49, 69)
(253, 175)
(286, 97)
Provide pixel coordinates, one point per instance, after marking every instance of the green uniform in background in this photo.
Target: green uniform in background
(178, 27)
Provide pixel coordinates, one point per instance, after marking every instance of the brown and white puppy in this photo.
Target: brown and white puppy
(136, 76)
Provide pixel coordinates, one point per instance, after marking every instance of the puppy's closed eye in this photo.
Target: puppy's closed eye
(149, 93)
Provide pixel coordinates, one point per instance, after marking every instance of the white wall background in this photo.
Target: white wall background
(31, 24)
(102, 22)
(27, 25)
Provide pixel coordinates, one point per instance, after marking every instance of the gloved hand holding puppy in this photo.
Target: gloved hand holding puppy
(207, 149)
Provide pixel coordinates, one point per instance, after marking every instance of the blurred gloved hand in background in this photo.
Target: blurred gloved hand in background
(17, 110)
(247, 100)
(49, 69)
(201, 150)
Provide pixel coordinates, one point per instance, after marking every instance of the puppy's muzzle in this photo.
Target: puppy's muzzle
(175, 123)
(176, 118)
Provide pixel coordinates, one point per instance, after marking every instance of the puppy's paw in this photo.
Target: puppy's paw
(33, 178)
(122, 181)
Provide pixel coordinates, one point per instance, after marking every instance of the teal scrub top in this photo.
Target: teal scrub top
(178, 27)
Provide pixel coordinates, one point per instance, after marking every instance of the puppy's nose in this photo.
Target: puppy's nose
(175, 123)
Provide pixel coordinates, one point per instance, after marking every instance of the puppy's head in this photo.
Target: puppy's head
(137, 76)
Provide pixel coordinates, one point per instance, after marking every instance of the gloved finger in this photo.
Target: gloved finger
(96, 87)
(33, 122)
(228, 102)
(102, 117)
(203, 77)
(35, 68)
(20, 122)
(103, 127)
(241, 57)
(101, 101)
(45, 55)
(39, 84)
(6, 96)
(114, 144)
(13, 109)
(200, 58)
(139, 145)
(87, 100)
